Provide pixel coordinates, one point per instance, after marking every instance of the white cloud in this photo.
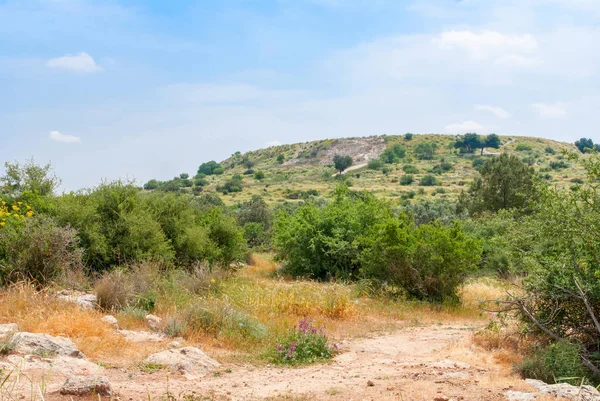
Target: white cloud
(464, 127)
(545, 110)
(272, 143)
(507, 50)
(497, 111)
(81, 62)
(58, 137)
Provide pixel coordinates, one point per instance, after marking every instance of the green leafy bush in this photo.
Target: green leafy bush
(38, 250)
(304, 344)
(358, 236)
(407, 179)
(410, 169)
(559, 362)
(523, 147)
(428, 180)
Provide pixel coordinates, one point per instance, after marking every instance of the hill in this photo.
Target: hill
(295, 171)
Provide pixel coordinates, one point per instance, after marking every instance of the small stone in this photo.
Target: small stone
(154, 322)
(111, 320)
(174, 345)
(370, 383)
(85, 385)
(441, 398)
(8, 328)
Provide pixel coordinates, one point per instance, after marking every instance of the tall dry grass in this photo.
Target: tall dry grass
(40, 312)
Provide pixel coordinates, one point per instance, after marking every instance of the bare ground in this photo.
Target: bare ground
(420, 363)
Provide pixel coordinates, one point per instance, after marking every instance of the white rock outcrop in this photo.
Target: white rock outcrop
(189, 361)
(46, 345)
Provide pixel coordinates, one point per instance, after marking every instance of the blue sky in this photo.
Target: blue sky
(149, 89)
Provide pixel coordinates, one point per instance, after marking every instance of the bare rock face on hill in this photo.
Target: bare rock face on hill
(360, 149)
(46, 345)
(189, 361)
(85, 385)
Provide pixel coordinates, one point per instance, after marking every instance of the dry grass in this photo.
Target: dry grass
(39, 312)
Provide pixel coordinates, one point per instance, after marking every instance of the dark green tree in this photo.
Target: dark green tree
(209, 168)
(505, 183)
(585, 145)
(341, 163)
(491, 141)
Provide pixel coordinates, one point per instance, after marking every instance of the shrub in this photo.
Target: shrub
(302, 345)
(232, 185)
(478, 163)
(134, 288)
(375, 164)
(358, 236)
(410, 169)
(560, 362)
(428, 262)
(259, 175)
(523, 147)
(425, 150)
(219, 318)
(408, 136)
(558, 165)
(549, 150)
(406, 179)
(428, 181)
(37, 250)
(442, 168)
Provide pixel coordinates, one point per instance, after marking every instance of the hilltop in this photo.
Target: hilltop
(298, 170)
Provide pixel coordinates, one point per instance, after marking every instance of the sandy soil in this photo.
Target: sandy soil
(421, 363)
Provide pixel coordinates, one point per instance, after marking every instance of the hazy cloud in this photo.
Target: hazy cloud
(58, 137)
(464, 127)
(545, 110)
(81, 62)
(497, 111)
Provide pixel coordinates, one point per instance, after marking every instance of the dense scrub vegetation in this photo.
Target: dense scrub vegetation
(178, 239)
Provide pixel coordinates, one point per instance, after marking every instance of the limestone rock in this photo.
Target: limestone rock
(189, 361)
(566, 390)
(85, 385)
(142, 336)
(154, 322)
(46, 345)
(519, 396)
(111, 320)
(8, 328)
(63, 365)
(174, 345)
(86, 301)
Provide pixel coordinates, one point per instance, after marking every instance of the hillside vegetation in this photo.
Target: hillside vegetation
(291, 172)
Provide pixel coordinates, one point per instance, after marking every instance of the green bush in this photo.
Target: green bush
(407, 179)
(358, 236)
(38, 250)
(375, 164)
(410, 169)
(523, 147)
(428, 181)
(304, 344)
(549, 150)
(560, 362)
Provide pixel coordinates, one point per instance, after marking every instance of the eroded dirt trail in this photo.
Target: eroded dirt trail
(423, 363)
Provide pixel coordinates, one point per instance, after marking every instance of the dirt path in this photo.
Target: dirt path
(351, 168)
(423, 363)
